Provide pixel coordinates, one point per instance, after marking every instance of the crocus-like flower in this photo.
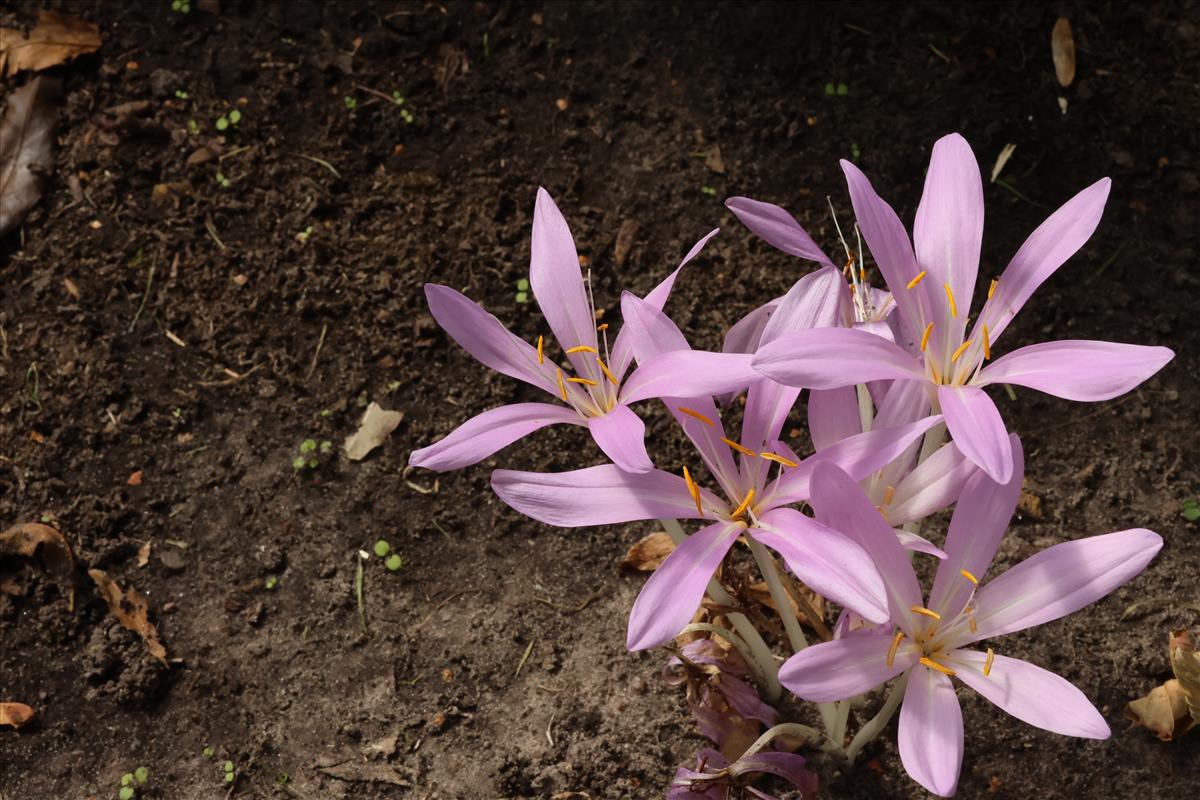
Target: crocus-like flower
(760, 477)
(932, 288)
(592, 395)
(931, 642)
(716, 779)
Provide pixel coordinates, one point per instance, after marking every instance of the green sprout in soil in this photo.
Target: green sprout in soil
(181, 94)
(708, 190)
(271, 582)
(224, 181)
(325, 413)
(208, 752)
(181, 6)
(230, 775)
(1190, 509)
(391, 560)
(854, 151)
(193, 127)
(523, 290)
(232, 118)
(394, 385)
(303, 235)
(131, 781)
(405, 114)
(841, 89)
(310, 453)
(351, 103)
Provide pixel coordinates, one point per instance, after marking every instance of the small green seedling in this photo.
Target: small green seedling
(309, 450)
(392, 560)
(193, 127)
(406, 115)
(841, 89)
(271, 582)
(208, 752)
(325, 413)
(230, 775)
(708, 190)
(351, 103)
(854, 151)
(394, 385)
(382, 548)
(181, 94)
(303, 235)
(232, 118)
(1190, 509)
(523, 290)
(223, 181)
(181, 6)
(397, 98)
(130, 782)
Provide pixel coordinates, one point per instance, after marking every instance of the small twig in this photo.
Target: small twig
(317, 354)
(438, 525)
(145, 297)
(320, 161)
(524, 658)
(940, 54)
(569, 609)
(212, 231)
(174, 338)
(358, 590)
(549, 725)
(234, 377)
(237, 151)
(1017, 193)
(375, 92)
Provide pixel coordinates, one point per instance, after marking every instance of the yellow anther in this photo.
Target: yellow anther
(604, 368)
(862, 274)
(925, 336)
(950, 297)
(562, 387)
(889, 494)
(693, 490)
(584, 381)
(746, 451)
(969, 576)
(746, 501)
(972, 625)
(583, 348)
(602, 327)
(962, 348)
(929, 662)
(987, 343)
(992, 288)
(778, 459)
(920, 277)
(987, 665)
(696, 415)
(895, 646)
(926, 612)
(541, 352)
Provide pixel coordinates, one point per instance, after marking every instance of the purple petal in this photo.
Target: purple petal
(814, 301)
(746, 333)
(671, 596)
(888, 241)
(1078, 369)
(933, 485)
(557, 282)
(1060, 580)
(842, 668)
(833, 415)
(1031, 694)
(601, 495)
(689, 373)
(931, 731)
(485, 433)
(830, 564)
(1046, 249)
(767, 407)
(841, 504)
(919, 544)
(789, 766)
(829, 358)
(777, 228)
(980, 519)
(974, 423)
(621, 434)
(486, 338)
(648, 331)
(948, 230)
(744, 700)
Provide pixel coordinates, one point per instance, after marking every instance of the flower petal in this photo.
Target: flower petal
(948, 230)
(485, 433)
(486, 338)
(814, 301)
(621, 434)
(1031, 694)
(918, 544)
(600, 495)
(673, 593)
(746, 333)
(842, 668)
(777, 228)
(833, 415)
(931, 731)
(689, 373)
(829, 358)
(980, 519)
(789, 766)
(975, 424)
(1046, 249)
(830, 564)
(1060, 580)
(1078, 369)
(934, 484)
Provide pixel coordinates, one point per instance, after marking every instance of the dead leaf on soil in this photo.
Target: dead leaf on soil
(625, 238)
(365, 773)
(15, 714)
(54, 40)
(762, 594)
(131, 611)
(713, 160)
(1171, 709)
(1062, 48)
(647, 554)
(143, 555)
(33, 539)
(376, 425)
(1002, 159)
(26, 148)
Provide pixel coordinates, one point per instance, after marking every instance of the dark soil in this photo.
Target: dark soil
(612, 107)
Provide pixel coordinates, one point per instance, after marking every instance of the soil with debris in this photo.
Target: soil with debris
(192, 305)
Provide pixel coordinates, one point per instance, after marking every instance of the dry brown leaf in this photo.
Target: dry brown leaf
(143, 555)
(647, 554)
(357, 771)
(1185, 663)
(1062, 48)
(35, 540)
(762, 594)
(131, 611)
(26, 148)
(15, 714)
(625, 238)
(54, 40)
(376, 425)
(1173, 708)
(135, 478)
(713, 160)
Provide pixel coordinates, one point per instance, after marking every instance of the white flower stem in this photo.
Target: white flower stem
(810, 735)
(866, 407)
(761, 661)
(877, 723)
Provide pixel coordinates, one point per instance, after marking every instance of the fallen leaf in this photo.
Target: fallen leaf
(135, 478)
(625, 238)
(1173, 708)
(1002, 159)
(376, 425)
(1062, 48)
(71, 287)
(1185, 663)
(144, 555)
(54, 40)
(33, 539)
(762, 594)
(26, 148)
(131, 611)
(366, 773)
(713, 160)
(647, 554)
(15, 714)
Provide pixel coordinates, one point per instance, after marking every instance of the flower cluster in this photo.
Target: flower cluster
(901, 429)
